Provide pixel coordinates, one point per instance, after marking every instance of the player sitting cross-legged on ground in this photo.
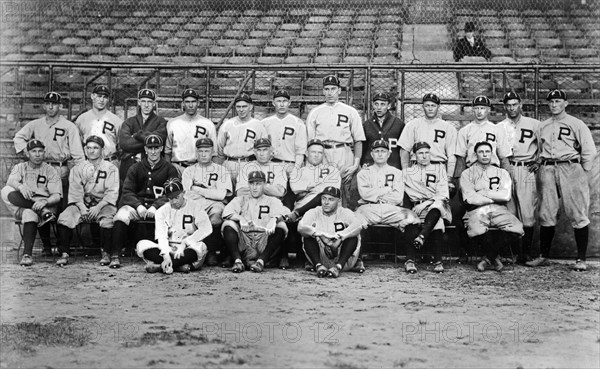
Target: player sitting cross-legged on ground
(181, 225)
(32, 192)
(486, 190)
(331, 235)
(252, 227)
(93, 192)
(426, 185)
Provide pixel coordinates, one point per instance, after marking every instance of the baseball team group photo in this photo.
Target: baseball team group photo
(276, 184)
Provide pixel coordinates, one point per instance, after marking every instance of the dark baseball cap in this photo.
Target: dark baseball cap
(431, 97)
(556, 94)
(153, 141)
(331, 80)
(53, 97)
(262, 142)
(32, 144)
(281, 93)
(243, 97)
(173, 187)
(380, 143)
(482, 101)
(95, 139)
(190, 92)
(419, 145)
(315, 141)
(146, 94)
(101, 90)
(204, 142)
(482, 143)
(511, 95)
(382, 96)
(256, 176)
(332, 191)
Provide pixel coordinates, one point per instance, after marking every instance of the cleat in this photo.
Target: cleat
(226, 263)
(359, 267)
(211, 259)
(499, 266)
(153, 268)
(483, 264)
(114, 262)
(26, 260)
(105, 258)
(410, 266)
(321, 271)
(47, 217)
(185, 268)
(284, 263)
(419, 241)
(523, 259)
(309, 267)
(63, 260)
(579, 266)
(334, 272)
(238, 267)
(539, 261)
(257, 267)
(438, 267)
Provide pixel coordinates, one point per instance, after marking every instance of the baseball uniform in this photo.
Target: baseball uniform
(311, 180)
(209, 185)
(475, 132)
(391, 128)
(275, 173)
(438, 133)
(182, 133)
(428, 184)
(235, 142)
(106, 125)
(287, 135)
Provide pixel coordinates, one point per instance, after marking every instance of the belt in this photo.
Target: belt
(57, 163)
(112, 157)
(184, 164)
(555, 162)
(241, 158)
(335, 146)
(521, 163)
(438, 162)
(282, 161)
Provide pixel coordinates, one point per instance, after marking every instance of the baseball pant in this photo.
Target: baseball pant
(347, 253)
(478, 221)
(343, 157)
(569, 182)
(251, 246)
(20, 207)
(491, 242)
(63, 173)
(387, 214)
(213, 208)
(445, 214)
(193, 254)
(524, 197)
(71, 217)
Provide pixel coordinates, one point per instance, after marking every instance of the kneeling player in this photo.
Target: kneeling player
(181, 225)
(253, 230)
(331, 235)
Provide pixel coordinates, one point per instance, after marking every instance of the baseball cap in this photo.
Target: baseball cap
(511, 95)
(315, 141)
(53, 97)
(469, 27)
(147, 94)
(381, 96)
(204, 142)
(281, 93)
(256, 176)
(380, 143)
(262, 142)
(332, 191)
(32, 144)
(190, 92)
(243, 97)
(482, 101)
(153, 141)
(557, 94)
(95, 139)
(173, 187)
(101, 90)
(419, 145)
(482, 143)
(431, 97)
(331, 80)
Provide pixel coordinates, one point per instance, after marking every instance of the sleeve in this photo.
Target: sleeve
(212, 134)
(77, 123)
(504, 146)
(311, 125)
(298, 182)
(366, 191)
(441, 189)
(187, 178)
(588, 148)
(161, 230)
(467, 187)
(169, 141)
(22, 136)
(461, 143)
(76, 190)
(305, 225)
(280, 181)
(451, 139)
(75, 146)
(353, 225)
(358, 132)
(406, 138)
(15, 178)
(128, 195)
(234, 207)
(279, 209)
(127, 142)
(171, 173)
(222, 139)
(111, 195)
(301, 139)
(161, 128)
(203, 226)
(54, 182)
(396, 196)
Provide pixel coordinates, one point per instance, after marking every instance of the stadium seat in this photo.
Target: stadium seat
(83, 33)
(183, 59)
(32, 49)
(362, 34)
(496, 43)
(192, 50)
(326, 59)
(385, 50)
(269, 60)
(240, 60)
(350, 59)
(544, 34)
(364, 42)
(223, 51)
(204, 42)
(163, 50)
(193, 27)
(98, 42)
(293, 27)
(307, 42)
(112, 51)
(583, 53)
(247, 51)
(330, 51)
(281, 42)
(337, 34)
(310, 34)
(501, 51)
(59, 49)
(254, 42)
(229, 42)
(266, 27)
(340, 26)
(140, 51)
(183, 34)
(303, 51)
(526, 53)
(210, 34)
(275, 51)
(522, 43)
(302, 59)
(285, 34)
(147, 42)
(546, 43)
(86, 50)
(503, 59)
(212, 60)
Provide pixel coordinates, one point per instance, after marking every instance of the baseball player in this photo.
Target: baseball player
(340, 128)
(101, 122)
(181, 225)
(142, 193)
(135, 130)
(567, 152)
(235, 139)
(93, 192)
(183, 132)
(208, 183)
(383, 125)
(32, 192)
(331, 235)
(275, 173)
(60, 137)
(426, 185)
(486, 189)
(253, 228)
(521, 133)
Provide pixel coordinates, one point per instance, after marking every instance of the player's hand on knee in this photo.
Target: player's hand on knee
(93, 212)
(150, 212)
(39, 205)
(26, 192)
(141, 210)
(179, 252)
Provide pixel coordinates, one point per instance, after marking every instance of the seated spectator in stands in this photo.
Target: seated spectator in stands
(470, 45)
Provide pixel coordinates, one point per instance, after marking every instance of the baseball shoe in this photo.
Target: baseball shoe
(579, 266)
(26, 260)
(321, 271)
(291, 217)
(438, 267)
(211, 259)
(284, 263)
(226, 263)
(105, 258)
(419, 241)
(238, 267)
(359, 267)
(47, 252)
(499, 266)
(153, 268)
(47, 216)
(63, 260)
(523, 259)
(334, 271)
(185, 268)
(539, 261)
(308, 266)
(484, 263)
(115, 262)
(257, 266)
(410, 266)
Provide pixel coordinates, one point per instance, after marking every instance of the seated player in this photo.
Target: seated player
(252, 227)
(32, 192)
(426, 185)
(486, 190)
(275, 173)
(331, 235)
(142, 193)
(181, 225)
(93, 193)
(208, 183)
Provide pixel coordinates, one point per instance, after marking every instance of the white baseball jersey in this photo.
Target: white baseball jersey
(258, 210)
(438, 133)
(236, 139)
(182, 133)
(172, 226)
(343, 220)
(61, 139)
(426, 183)
(339, 123)
(522, 136)
(211, 177)
(375, 181)
(42, 181)
(479, 178)
(317, 176)
(475, 132)
(89, 184)
(287, 135)
(106, 125)
(275, 173)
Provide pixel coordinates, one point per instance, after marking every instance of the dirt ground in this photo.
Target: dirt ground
(87, 316)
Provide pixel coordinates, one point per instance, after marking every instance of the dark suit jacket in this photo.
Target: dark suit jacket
(464, 48)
